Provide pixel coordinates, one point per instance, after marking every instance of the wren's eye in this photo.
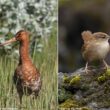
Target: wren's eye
(103, 36)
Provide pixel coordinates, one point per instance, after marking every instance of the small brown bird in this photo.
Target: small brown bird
(26, 77)
(96, 47)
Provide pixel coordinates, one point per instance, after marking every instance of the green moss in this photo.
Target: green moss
(85, 87)
(69, 103)
(63, 95)
(66, 79)
(75, 80)
(85, 108)
(107, 89)
(108, 72)
(102, 78)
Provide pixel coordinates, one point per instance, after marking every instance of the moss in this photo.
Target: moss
(75, 80)
(66, 79)
(102, 78)
(69, 103)
(63, 95)
(108, 72)
(85, 108)
(85, 87)
(107, 89)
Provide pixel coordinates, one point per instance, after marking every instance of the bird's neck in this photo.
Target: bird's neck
(24, 52)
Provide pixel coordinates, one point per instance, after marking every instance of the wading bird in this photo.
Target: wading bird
(96, 47)
(26, 76)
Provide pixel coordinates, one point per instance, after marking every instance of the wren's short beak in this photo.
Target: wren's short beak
(9, 41)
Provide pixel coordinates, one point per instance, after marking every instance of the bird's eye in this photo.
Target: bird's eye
(103, 37)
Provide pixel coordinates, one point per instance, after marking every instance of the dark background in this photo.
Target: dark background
(76, 16)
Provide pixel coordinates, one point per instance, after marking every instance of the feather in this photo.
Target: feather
(87, 36)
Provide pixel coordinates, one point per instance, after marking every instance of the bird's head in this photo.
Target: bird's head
(101, 36)
(21, 36)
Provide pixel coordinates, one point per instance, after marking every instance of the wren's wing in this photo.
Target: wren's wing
(87, 36)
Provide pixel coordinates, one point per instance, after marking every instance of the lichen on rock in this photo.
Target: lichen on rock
(91, 90)
(75, 80)
(69, 103)
(101, 78)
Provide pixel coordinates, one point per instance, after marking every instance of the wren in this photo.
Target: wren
(95, 47)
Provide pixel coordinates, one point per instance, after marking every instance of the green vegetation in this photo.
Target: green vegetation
(108, 72)
(69, 103)
(75, 80)
(85, 108)
(46, 62)
(72, 81)
(104, 77)
(66, 79)
(101, 78)
(73, 104)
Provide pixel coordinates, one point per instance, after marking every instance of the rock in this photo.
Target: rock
(63, 95)
(91, 90)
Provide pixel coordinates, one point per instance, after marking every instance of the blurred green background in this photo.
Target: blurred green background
(76, 16)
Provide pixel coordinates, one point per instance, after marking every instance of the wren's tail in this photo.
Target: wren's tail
(87, 36)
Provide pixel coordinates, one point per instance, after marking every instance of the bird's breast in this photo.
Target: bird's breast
(103, 48)
(27, 73)
(96, 51)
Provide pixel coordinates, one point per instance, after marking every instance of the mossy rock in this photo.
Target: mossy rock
(63, 95)
(75, 80)
(108, 72)
(66, 79)
(69, 103)
(85, 108)
(85, 89)
(102, 78)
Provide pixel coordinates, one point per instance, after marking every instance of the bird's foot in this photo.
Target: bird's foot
(106, 65)
(87, 71)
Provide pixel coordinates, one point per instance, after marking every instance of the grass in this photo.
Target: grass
(46, 62)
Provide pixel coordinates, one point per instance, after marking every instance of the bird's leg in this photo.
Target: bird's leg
(20, 94)
(106, 65)
(20, 98)
(86, 67)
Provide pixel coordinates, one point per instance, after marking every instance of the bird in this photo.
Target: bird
(95, 47)
(26, 76)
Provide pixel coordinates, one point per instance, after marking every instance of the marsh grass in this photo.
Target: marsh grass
(46, 62)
